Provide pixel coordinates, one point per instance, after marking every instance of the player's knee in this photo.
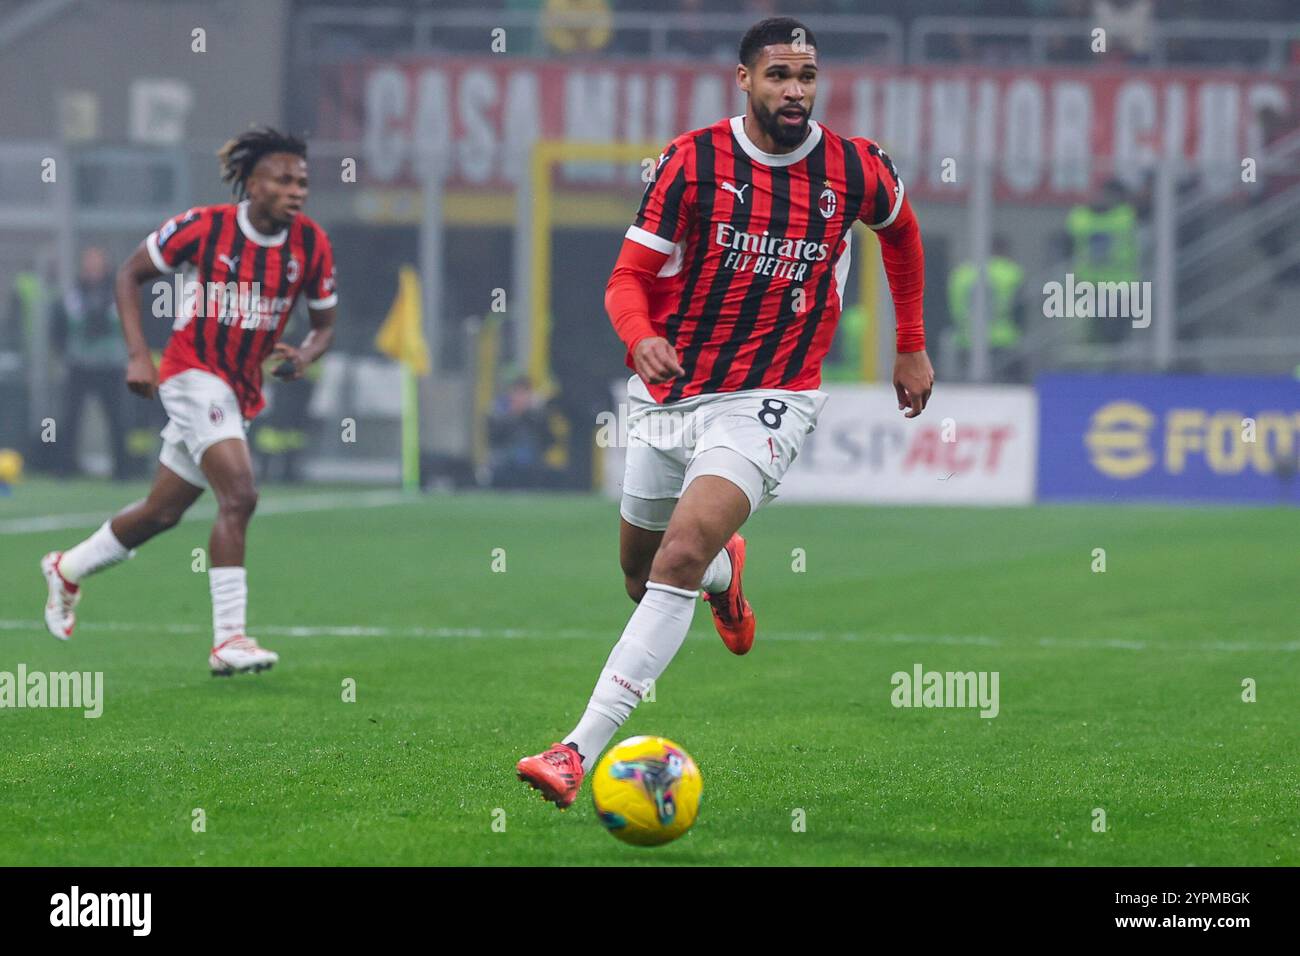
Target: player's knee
(635, 585)
(636, 570)
(239, 502)
(682, 557)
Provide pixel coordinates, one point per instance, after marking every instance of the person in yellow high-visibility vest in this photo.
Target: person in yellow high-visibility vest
(1005, 280)
(577, 26)
(1104, 248)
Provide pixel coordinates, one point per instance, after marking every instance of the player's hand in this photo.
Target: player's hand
(141, 376)
(913, 381)
(293, 363)
(656, 360)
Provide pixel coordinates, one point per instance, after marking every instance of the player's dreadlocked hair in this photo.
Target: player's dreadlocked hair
(239, 155)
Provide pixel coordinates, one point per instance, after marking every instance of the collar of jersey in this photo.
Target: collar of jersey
(251, 233)
(776, 159)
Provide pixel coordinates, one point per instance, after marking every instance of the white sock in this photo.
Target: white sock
(717, 576)
(651, 639)
(229, 588)
(101, 550)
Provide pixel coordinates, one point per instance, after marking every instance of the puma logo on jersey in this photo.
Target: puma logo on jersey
(230, 263)
(738, 193)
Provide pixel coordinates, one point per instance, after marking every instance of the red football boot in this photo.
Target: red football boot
(556, 772)
(732, 615)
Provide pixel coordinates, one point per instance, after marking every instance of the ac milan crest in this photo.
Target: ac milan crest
(827, 203)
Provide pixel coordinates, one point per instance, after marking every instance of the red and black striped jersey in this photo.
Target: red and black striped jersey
(241, 287)
(758, 246)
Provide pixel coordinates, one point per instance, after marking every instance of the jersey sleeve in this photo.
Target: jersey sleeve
(884, 192)
(320, 285)
(667, 206)
(177, 241)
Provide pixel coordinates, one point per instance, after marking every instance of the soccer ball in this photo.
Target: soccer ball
(647, 791)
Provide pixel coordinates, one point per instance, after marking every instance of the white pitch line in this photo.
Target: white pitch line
(208, 510)
(303, 630)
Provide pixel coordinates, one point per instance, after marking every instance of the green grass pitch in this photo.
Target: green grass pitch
(1119, 690)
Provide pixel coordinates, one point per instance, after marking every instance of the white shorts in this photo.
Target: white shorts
(202, 410)
(765, 427)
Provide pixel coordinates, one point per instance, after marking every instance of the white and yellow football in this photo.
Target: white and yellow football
(647, 791)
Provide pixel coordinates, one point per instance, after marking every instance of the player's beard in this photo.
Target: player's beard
(782, 134)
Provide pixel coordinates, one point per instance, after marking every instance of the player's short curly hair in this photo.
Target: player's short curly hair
(774, 31)
(240, 155)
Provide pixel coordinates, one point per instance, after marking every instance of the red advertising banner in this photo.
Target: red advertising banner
(1053, 134)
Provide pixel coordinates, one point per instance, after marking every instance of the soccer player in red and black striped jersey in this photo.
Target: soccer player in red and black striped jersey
(247, 264)
(727, 292)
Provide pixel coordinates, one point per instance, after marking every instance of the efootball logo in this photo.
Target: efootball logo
(215, 414)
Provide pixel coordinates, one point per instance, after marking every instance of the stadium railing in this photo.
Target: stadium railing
(1227, 310)
(1050, 41)
(351, 30)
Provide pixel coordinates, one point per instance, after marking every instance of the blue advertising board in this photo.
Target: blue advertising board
(1168, 437)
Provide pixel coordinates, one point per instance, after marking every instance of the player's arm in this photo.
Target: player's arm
(141, 376)
(627, 300)
(322, 302)
(904, 260)
(318, 341)
(661, 223)
(889, 213)
(165, 250)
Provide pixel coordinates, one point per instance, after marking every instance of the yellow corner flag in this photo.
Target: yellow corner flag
(402, 337)
(402, 334)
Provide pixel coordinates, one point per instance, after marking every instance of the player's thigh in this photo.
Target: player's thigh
(710, 511)
(637, 547)
(170, 494)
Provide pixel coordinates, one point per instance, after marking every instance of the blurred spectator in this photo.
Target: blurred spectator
(526, 435)
(1104, 246)
(1006, 280)
(27, 304)
(1128, 26)
(577, 26)
(85, 334)
(26, 300)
